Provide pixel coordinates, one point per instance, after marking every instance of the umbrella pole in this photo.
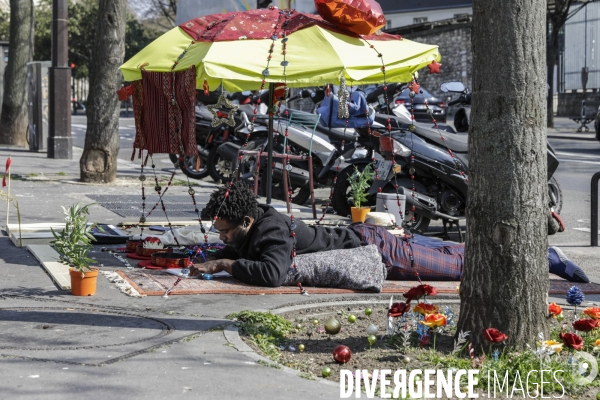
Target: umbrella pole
(270, 144)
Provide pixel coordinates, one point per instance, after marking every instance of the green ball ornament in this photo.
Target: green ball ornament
(372, 339)
(352, 318)
(326, 371)
(368, 312)
(332, 326)
(598, 395)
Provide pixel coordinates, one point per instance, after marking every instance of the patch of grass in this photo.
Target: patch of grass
(191, 337)
(268, 364)
(62, 174)
(308, 376)
(217, 328)
(266, 330)
(33, 174)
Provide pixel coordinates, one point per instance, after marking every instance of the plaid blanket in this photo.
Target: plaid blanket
(430, 259)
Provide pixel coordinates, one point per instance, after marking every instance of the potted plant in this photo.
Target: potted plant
(360, 181)
(73, 244)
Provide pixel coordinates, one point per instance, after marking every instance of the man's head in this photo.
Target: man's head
(235, 213)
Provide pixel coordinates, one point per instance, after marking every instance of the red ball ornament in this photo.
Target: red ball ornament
(342, 354)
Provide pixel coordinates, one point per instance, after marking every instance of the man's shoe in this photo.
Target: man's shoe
(560, 265)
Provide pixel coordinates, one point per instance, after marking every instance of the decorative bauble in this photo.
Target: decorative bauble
(315, 322)
(142, 177)
(326, 371)
(342, 354)
(300, 347)
(332, 326)
(142, 220)
(298, 326)
(191, 192)
(372, 339)
(598, 395)
(412, 128)
(352, 318)
(368, 311)
(372, 329)
(157, 188)
(406, 359)
(411, 94)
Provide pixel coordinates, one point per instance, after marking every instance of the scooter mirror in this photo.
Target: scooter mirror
(452, 87)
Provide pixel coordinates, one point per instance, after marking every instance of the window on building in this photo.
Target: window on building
(388, 24)
(419, 20)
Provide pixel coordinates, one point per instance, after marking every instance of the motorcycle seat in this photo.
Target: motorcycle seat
(337, 134)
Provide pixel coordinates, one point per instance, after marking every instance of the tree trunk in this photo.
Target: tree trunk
(551, 59)
(13, 123)
(505, 281)
(99, 159)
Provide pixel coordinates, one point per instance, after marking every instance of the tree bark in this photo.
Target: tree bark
(14, 121)
(98, 162)
(505, 281)
(551, 59)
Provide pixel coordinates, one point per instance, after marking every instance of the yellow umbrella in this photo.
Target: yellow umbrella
(316, 54)
(247, 50)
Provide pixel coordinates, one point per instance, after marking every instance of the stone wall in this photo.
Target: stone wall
(454, 40)
(569, 104)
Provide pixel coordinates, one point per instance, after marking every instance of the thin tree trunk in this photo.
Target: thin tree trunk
(13, 123)
(98, 162)
(552, 55)
(505, 281)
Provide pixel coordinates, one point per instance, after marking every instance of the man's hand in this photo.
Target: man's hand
(212, 267)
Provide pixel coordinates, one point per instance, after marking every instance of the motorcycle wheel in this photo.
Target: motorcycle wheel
(219, 168)
(300, 194)
(555, 193)
(190, 167)
(421, 223)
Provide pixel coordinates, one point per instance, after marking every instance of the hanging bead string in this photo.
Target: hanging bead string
(337, 171)
(286, 147)
(429, 112)
(142, 178)
(192, 194)
(389, 129)
(389, 132)
(160, 198)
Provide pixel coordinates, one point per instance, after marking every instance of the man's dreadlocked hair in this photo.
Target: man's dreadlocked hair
(240, 202)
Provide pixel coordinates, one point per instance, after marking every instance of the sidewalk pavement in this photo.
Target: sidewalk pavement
(149, 347)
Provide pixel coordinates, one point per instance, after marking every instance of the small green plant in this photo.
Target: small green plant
(61, 173)
(266, 330)
(75, 240)
(360, 181)
(33, 174)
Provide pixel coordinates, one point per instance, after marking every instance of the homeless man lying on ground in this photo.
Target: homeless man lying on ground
(260, 243)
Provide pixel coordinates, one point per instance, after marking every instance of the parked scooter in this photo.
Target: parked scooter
(440, 186)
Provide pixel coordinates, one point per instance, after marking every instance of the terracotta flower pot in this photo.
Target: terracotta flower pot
(359, 214)
(83, 286)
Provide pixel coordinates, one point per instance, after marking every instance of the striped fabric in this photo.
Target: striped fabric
(164, 125)
(434, 260)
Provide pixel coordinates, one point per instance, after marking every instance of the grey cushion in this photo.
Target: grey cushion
(360, 269)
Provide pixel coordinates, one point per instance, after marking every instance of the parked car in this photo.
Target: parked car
(437, 105)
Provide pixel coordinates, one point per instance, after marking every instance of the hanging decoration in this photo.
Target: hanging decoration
(343, 100)
(125, 92)
(361, 17)
(216, 111)
(434, 67)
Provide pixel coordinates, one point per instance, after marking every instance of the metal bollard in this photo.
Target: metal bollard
(594, 214)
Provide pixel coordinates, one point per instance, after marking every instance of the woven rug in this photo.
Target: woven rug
(155, 283)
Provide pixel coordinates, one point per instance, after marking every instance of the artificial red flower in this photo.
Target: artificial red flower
(424, 341)
(424, 309)
(572, 340)
(493, 335)
(152, 239)
(398, 309)
(585, 325)
(592, 312)
(434, 320)
(554, 309)
(419, 291)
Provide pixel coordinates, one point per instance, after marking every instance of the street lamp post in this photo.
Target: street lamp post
(60, 144)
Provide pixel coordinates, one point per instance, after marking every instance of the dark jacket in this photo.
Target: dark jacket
(266, 256)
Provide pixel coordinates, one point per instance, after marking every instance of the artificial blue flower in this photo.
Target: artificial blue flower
(495, 355)
(575, 296)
